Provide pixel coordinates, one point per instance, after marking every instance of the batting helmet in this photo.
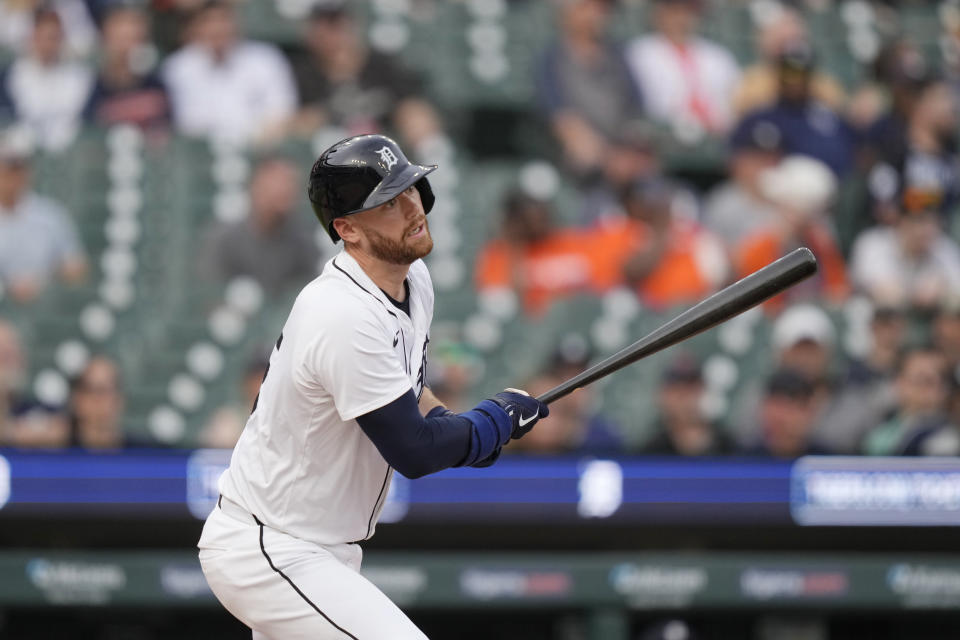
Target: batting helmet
(361, 173)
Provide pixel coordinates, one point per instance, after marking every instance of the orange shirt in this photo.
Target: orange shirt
(692, 266)
(763, 247)
(558, 265)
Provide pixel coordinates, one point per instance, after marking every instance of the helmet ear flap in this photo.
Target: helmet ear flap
(426, 194)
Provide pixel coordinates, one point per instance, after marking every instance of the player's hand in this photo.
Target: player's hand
(524, 410)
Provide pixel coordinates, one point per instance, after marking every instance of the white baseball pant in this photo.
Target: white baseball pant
(285, 588)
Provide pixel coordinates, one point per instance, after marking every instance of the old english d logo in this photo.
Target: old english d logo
(387, 157)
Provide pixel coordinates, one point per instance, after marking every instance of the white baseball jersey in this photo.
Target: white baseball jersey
(303, 465)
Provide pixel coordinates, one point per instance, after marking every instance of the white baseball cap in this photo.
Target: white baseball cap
(803, 322)
(801, 182)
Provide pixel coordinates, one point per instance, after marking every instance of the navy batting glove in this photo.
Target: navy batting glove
(524, 410)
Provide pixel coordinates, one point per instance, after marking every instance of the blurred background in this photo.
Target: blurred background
(604, 164)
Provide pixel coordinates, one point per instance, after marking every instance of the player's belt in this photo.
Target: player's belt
(234, 510)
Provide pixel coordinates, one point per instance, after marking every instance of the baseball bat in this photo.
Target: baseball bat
(733, 300)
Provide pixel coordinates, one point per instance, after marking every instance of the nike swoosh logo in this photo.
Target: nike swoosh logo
(525, 421)
(396, 339)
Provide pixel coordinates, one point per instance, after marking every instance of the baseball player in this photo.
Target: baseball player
(343, 404)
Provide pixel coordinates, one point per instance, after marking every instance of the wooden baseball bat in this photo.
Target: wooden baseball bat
(733, 300)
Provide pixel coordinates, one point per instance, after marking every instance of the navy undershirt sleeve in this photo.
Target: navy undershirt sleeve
(413, 445)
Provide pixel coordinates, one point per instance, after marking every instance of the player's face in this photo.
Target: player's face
(396, 231)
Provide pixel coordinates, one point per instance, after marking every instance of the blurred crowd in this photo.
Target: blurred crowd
(867, 176)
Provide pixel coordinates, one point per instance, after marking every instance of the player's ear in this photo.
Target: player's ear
(347, 230)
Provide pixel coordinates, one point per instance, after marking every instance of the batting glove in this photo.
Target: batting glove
(523, 409)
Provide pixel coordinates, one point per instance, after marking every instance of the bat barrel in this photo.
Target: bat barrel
(733, 300)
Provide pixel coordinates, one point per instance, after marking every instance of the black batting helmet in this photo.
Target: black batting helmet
(361, 173)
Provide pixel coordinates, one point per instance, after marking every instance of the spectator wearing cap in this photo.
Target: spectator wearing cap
(42, 90)
(918, 425)
(738, 208)
(127, 88)
(802, 190)
(272, 244)
(534, 259)
(578, 424)
(223, 87)
(808, 126)
(912, 262)
(38, 239)
(660, 250)
(225, 425)
(864, 391)
(24, 422)
(687, 81)
(804, 341)
(342, 83)
(787, 414)
(681, 428)
(758, 86)
(591, 101)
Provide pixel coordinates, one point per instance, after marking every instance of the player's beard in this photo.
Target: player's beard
(403, 251)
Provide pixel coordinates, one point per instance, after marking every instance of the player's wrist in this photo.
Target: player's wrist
(491, 429)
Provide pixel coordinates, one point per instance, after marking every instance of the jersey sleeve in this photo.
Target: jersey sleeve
(354, 360)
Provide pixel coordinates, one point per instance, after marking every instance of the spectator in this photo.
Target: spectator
(666, 256)
(534, 259)
(24, 422)
(946, 338)
(809, 127)
(128, 89)
(787, 414)
(687, 81)
(888, 330)
(681, 427)
(96, 407)
(226, 424)
(737, 208)
(801, 189)
(18, 19)
(911, 263)
(271, 245)
(864, 393)
(758, 86)
(576, 425)
(42, 90)
(171, 21)
(344, 84)
(591, 101)
(38, 239)
(803, 340)
(946, 332)
(901, 73)
(226, 88)
(918, 424)
(921, 158)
